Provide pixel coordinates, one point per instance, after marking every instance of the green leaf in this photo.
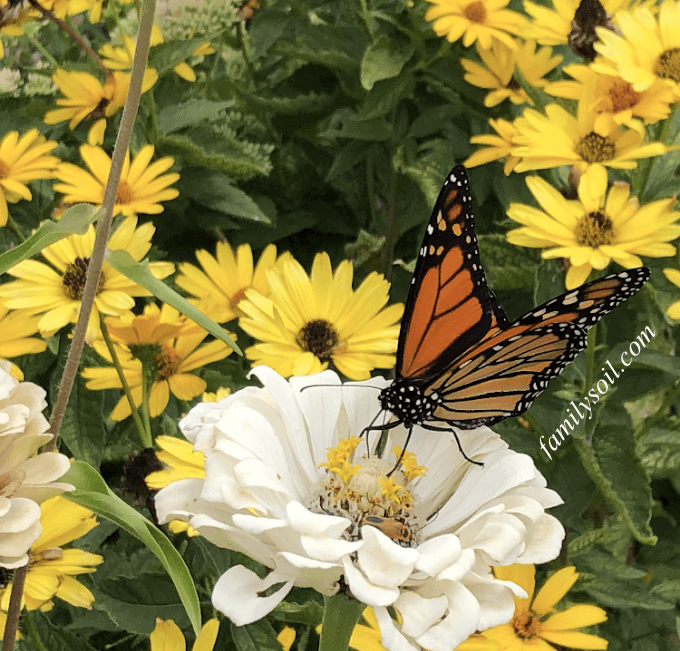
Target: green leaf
(344, 123)
(74, 221)
(180, 116)
(213, 190)
(165, 56)
(259, 636)
(385, 95)
(53, 636)
(123, 262)
(93, 493)
(669, 590)
(267, 27)
(660, 453)
(309, 613)
(383, 59)
(507, 266)
(614, 466)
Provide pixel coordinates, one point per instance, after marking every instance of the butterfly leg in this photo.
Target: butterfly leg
(403, 451)
(460, 447)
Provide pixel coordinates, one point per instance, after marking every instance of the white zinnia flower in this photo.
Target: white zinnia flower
(421, 544)
(26, 478)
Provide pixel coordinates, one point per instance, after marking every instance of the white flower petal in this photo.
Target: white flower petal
(385, 563)
(364, 590)
(438, 553)
(236, 594)
(420, 613)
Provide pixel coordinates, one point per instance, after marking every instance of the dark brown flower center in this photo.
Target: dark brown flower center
(319, 337)
(74, 277)
(4, 170)
(237, 298)
(595, 148)
(623, 96)
(526, 625)
(668, 65)
(594, 230)
(166, 363)
(475, 12)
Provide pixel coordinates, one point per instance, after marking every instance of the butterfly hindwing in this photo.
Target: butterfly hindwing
(502, 375)
(449, 307)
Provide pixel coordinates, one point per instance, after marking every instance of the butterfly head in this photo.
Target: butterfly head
(406, 399)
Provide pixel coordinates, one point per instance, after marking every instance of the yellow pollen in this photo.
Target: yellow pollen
(526, 625)
(390, 489)
(623, 96)
(73, 280)
(409, 465)
(475, 12)
(124, 194)
(667, 66)
(595, 229)
(595, 148)
(4, 170)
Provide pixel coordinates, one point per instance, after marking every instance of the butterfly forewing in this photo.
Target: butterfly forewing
(502, 375)
(449, 307)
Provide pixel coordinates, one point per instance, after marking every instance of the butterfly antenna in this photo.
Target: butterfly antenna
(341, 386)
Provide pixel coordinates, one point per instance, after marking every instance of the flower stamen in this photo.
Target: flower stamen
(526, 625)
(318, 337)
(595, 148)
(623, 96)
(475, 12)
(595, 229)
(75, 276)
(667, 65)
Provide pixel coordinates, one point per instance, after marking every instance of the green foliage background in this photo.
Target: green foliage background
(330, 126)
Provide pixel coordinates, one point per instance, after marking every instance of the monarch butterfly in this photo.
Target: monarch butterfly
(459, 360)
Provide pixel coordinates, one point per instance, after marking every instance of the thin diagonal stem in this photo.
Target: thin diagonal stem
(12, 624)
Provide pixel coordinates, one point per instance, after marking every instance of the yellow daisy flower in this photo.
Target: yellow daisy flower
(85, 97)
(12, 18)
(142, 185)
(674, 276)
(55, 291)
(16, 329)
(50, 568)
(559, 138)
(169, 360)
(475, 20)
(185, 463)
(616, 103)
(529, 628)
(220, 394)
(500, 62)
(167, 636)
(596, 229)
(310, 321)
(120, 58)
(221, 286)
(94, 6)
(500, 146)
(649, 48)
(552, 26)
(22, 160)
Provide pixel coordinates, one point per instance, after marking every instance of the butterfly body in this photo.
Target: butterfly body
(460, 362)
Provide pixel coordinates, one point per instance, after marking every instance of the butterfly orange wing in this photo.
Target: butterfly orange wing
(503, 374)
(450, 306)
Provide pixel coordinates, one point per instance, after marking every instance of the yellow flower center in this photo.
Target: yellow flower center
(594, 230)
(74, 277)
(124, 194)
(167, 363)
(526, 625)
(319, 337)
(595, 148)
(623, 96)
(668, 65)
(475, 12)
(363, 493)
(5, 169)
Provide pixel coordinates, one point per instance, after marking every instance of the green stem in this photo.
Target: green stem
(340, 615)
(145, 402)
(144, 435)
(390, 238)
(590, 353)
(44, 53)
(33, 633)
(13, 227)
(367, 18)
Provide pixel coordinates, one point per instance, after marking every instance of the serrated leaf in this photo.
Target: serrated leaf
(267, 27)
(383, 59)
(52, 636)
(180, 116)
(668, 590)
(259, 636)
(123, 262)
(74, 221)
(165, 56)
(335, 47)
(660, 451)
(624, 595)
(613, 465)
(93, 493)
(506, 266)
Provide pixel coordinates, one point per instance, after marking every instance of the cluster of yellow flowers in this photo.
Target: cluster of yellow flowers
(633, 81)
